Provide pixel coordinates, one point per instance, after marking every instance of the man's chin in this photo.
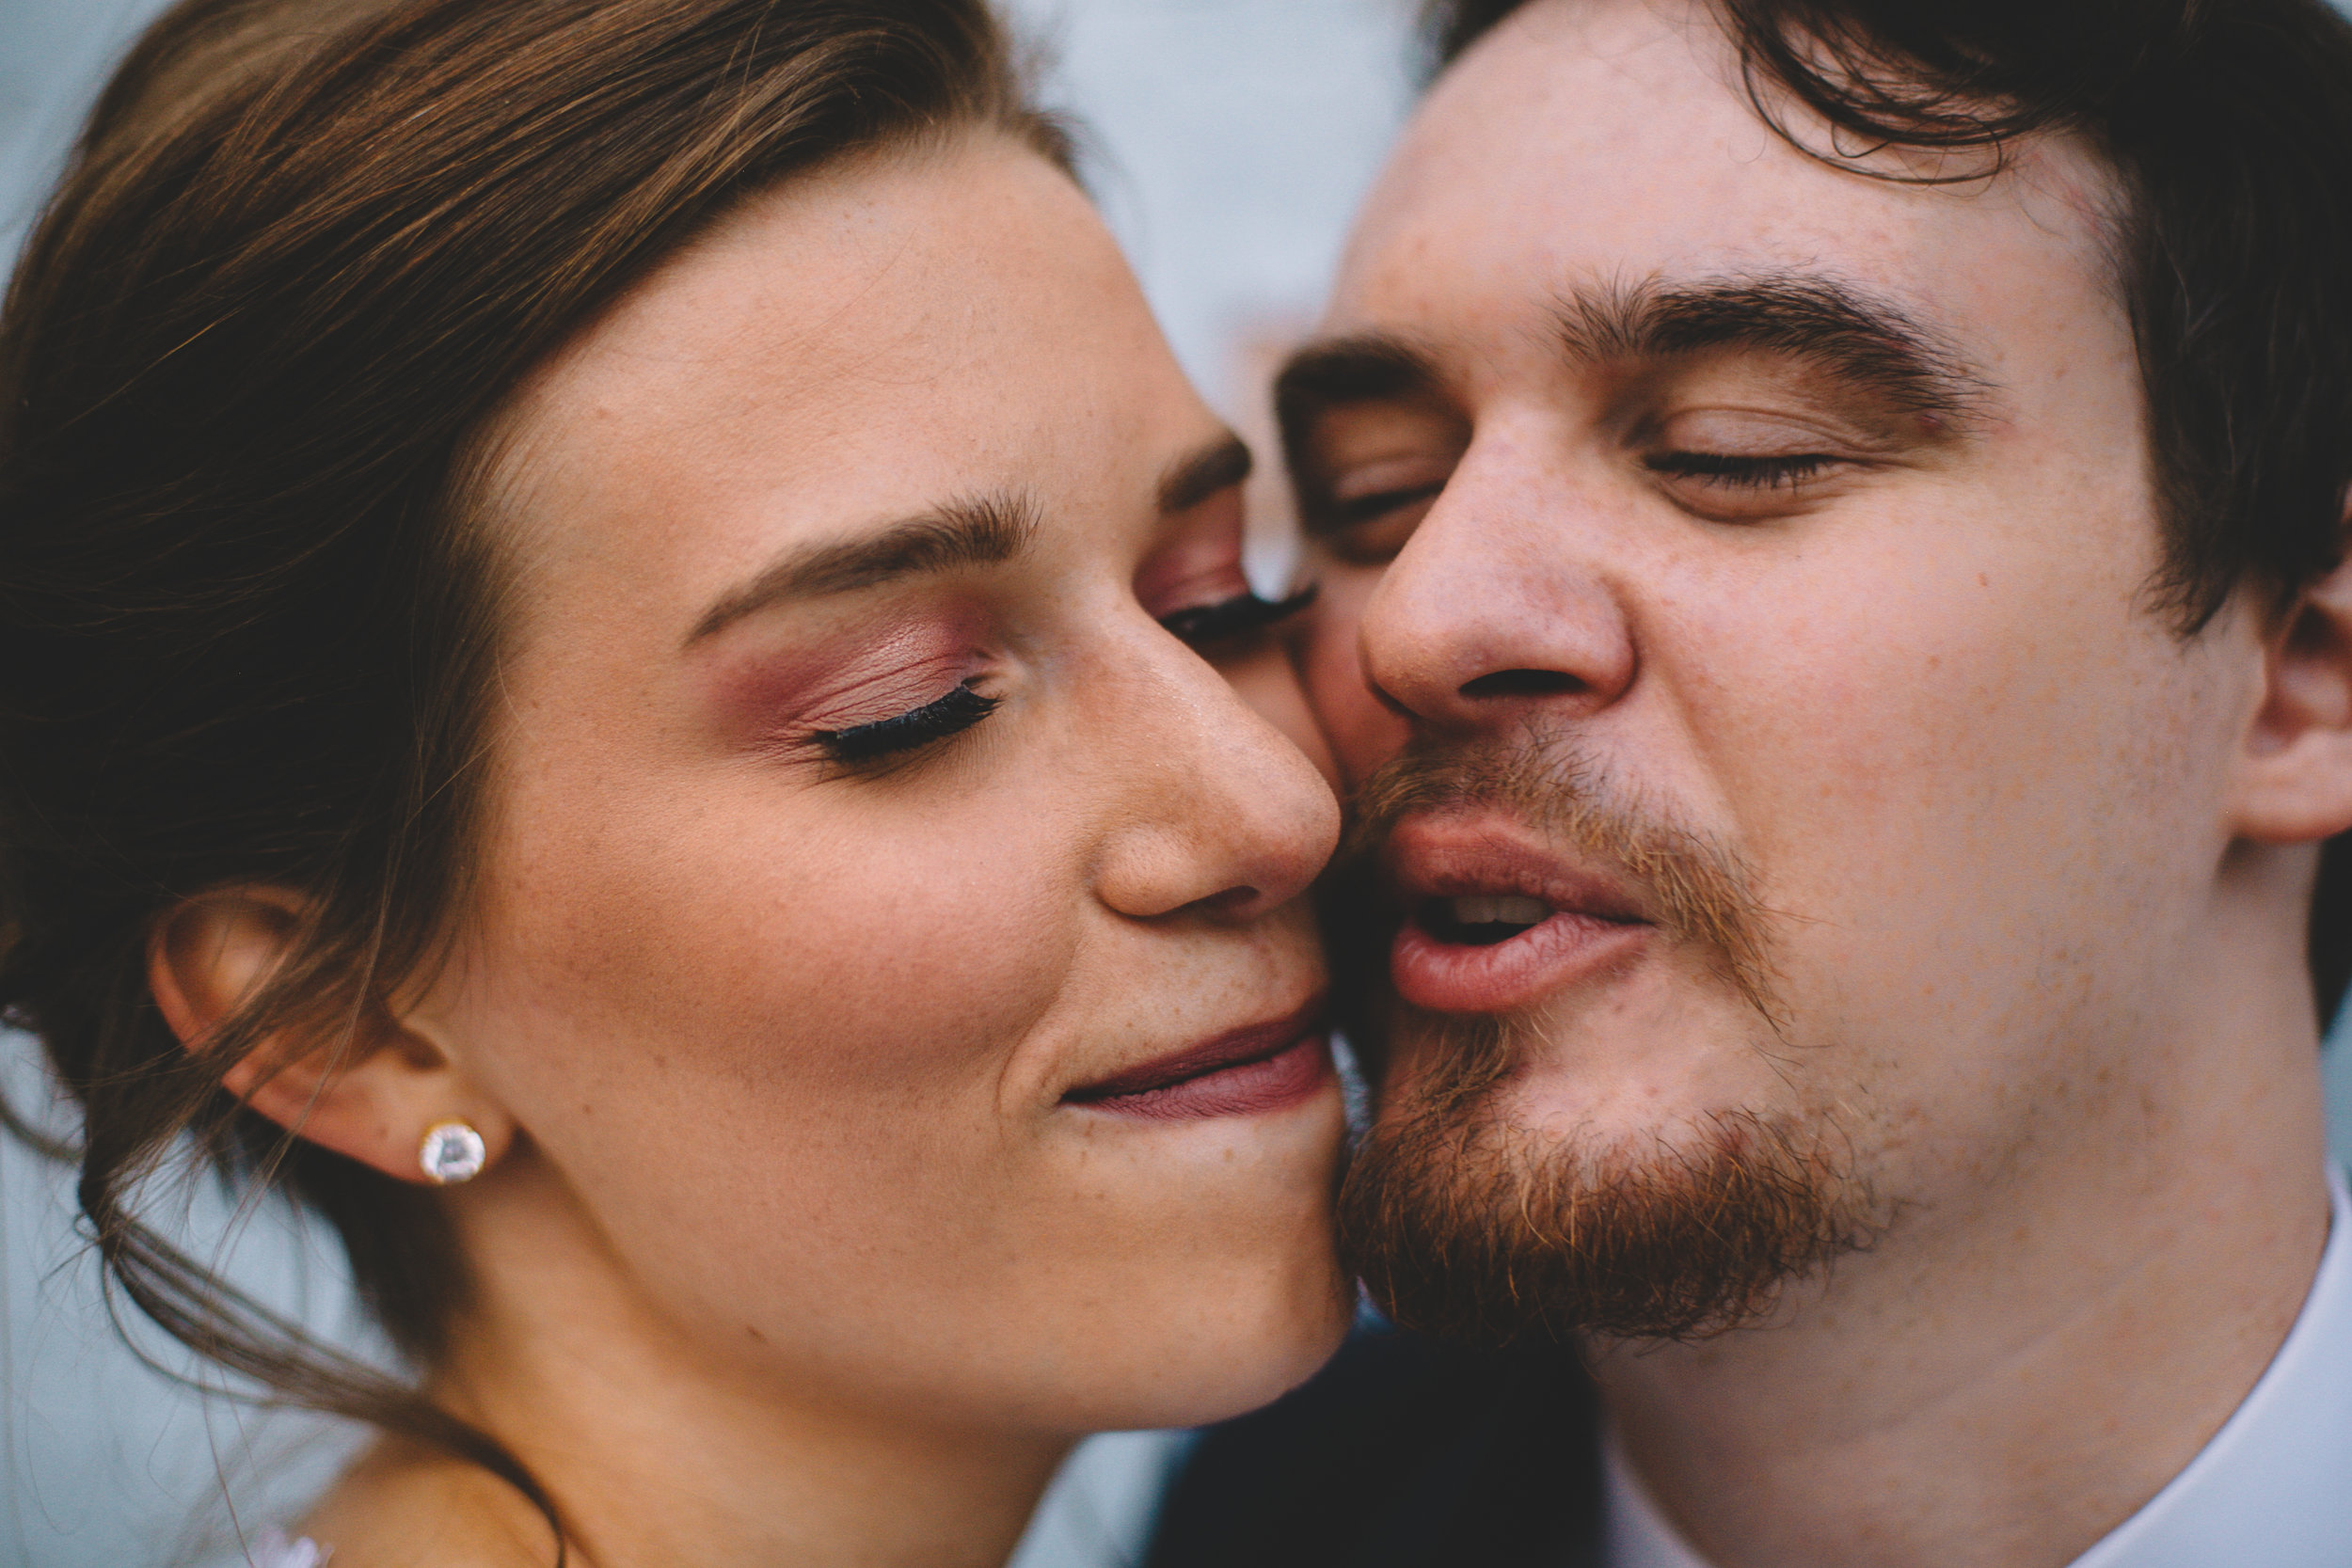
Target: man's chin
(1466, 1223)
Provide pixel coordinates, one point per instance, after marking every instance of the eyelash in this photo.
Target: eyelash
(963, 707)
(1203, 624)
(1746, 473)
(952, 714)
(1365, 509)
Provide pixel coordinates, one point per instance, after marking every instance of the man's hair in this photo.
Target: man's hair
(2227, 125)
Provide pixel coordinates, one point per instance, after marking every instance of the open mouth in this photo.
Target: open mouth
(1494, 919)
(1486, 952)
(1480, 920)
(1249, 1071)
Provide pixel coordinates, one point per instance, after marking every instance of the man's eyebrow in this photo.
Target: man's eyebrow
(1850, 333)
(1219, 466)
(983, 530)
(1334, 372)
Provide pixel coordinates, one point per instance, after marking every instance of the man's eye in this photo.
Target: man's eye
(1204, 625)
(1371, 530)
(1368, 509)
(952, 714)
(1782, 472)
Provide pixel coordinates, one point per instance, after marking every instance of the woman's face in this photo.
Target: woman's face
(872, 879)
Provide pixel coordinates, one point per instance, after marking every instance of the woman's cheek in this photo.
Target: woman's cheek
(880, 943)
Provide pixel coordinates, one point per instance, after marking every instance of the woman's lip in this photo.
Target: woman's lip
(1248, 1072)
(1461, 977)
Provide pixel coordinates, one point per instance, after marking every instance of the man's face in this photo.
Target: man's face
(1795, 812)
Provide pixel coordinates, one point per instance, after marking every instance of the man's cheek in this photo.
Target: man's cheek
(1363, 733)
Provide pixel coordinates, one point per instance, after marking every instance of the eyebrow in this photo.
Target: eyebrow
(1332, 372)
(984, 530)
(1853, 333)
(1858, 336)
(1224, 463)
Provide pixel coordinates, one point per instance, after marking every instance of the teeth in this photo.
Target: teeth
(1510, 910)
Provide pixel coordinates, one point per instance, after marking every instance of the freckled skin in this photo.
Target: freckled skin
(791, 1249)
(2037, 907)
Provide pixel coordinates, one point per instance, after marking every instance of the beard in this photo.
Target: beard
(1468, 1227)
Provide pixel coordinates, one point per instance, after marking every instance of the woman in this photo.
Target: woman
(605, 603)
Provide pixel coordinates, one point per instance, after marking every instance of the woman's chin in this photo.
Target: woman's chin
(1219, 1285)
(1202, 1360)
(1308, 1337)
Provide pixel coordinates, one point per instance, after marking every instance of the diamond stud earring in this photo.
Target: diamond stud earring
(453, 1152)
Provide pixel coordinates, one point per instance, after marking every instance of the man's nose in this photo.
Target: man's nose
(1498, 609)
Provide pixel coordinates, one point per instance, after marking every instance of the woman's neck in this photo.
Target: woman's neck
(661, 1449)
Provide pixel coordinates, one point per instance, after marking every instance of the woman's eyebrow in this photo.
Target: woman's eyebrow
(984, 530)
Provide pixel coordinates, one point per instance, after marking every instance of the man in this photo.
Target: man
(1831, 521)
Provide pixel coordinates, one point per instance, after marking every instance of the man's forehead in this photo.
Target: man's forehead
(1596, 142)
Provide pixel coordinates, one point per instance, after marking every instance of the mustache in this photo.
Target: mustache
(1699, 889)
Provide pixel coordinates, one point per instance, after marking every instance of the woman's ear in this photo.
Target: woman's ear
(373, 1099)
(2295, 784)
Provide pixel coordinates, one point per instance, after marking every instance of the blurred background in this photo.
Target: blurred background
(1229, 141)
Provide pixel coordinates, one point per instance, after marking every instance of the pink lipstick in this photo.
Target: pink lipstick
(1249, 1071)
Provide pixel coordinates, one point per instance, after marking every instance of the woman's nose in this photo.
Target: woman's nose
(1496, 612)
(1222, 814)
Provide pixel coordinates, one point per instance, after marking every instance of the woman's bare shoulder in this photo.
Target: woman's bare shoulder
(401, 1507)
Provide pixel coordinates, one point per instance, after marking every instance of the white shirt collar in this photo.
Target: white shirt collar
(1634, 1533)
(2273, 1487)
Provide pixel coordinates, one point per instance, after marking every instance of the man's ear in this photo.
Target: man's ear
(2295, 783)
(371, 1100)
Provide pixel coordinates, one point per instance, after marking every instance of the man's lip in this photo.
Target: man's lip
(1460, 855)
(1597, 920)
(1257, 1068)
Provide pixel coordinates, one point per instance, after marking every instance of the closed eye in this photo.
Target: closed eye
(1370, 529)
(1203, 626)
(1365, 509)
(1779, 472)
(952, 714)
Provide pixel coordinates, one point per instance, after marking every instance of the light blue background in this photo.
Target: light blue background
(1234, 139)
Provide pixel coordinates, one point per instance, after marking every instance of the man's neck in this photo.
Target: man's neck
(2007, 1378)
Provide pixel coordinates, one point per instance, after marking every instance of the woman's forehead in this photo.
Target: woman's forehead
(899, 334)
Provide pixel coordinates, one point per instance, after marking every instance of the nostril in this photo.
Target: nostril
(1523, 682)
(1388, 701)
(1231, 901)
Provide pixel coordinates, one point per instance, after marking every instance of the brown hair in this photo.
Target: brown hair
(305, 250)
(2229, 125)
